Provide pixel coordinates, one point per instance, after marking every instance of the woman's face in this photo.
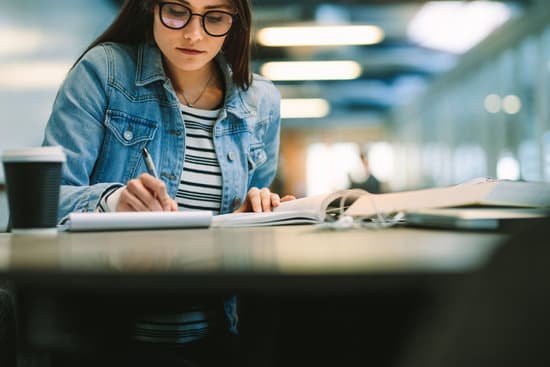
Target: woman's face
(189, 48)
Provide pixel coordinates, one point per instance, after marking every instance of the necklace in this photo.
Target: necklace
(191, 104)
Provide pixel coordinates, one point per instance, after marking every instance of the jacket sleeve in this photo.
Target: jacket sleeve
(265, 173)
(76, 124)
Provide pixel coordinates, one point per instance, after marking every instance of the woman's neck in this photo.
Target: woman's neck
(190, 80)
(201, 88)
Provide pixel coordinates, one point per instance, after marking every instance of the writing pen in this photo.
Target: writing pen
(149, 163)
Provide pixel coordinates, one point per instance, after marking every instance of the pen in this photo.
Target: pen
(149, 163)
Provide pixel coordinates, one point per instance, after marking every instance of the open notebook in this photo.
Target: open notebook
(359, 203)
(309, 210)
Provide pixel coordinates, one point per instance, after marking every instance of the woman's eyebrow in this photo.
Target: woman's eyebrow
(209, 7)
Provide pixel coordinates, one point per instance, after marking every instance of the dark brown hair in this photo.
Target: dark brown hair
(134, 25)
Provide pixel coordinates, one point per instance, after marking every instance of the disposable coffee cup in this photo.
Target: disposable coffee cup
(33, 178)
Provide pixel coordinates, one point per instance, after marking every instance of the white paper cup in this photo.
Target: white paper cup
(33, 178)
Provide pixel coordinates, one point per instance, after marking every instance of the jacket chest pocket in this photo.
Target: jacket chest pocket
(126, 137)
(256, 156)
(130, 130)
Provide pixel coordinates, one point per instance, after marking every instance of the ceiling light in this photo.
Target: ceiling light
(320, 36)
(304, 108)
(312, 70)
(511, 104)
(457, 26)
(33, 75)
(493, 103)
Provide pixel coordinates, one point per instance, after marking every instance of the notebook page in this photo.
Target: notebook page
(460, 195)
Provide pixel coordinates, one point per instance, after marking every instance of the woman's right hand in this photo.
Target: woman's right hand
(145, 194)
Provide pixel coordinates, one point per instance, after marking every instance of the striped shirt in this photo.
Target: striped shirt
(201, 181)
(200, 188)
(184, 327)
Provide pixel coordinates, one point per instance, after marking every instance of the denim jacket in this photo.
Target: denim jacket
(118, 100)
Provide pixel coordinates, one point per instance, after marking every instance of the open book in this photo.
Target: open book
(499, 193)
(359, 203)
(309, 210)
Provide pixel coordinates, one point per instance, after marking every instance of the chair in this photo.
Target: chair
(500, 316)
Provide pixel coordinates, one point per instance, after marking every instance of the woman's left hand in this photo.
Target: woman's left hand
(263, 200)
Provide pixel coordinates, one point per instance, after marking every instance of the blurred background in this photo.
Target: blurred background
(414, 93)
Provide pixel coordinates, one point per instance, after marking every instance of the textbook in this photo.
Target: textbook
(84, 222)
(309, 210)
(484, 193)
(360, 203)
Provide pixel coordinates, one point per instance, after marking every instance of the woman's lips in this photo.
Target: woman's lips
(189, 51)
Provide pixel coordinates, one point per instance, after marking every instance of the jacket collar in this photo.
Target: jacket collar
(149, 65)
(150, 69)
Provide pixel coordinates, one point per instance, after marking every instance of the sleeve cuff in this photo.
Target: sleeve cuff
(109, 199)
(113, 198)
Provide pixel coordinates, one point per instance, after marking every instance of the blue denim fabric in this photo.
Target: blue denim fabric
(118, 100)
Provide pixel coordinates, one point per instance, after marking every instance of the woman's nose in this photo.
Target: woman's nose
(193, 30)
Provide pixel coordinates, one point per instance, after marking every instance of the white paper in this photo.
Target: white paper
(266, 219)
(82, 222)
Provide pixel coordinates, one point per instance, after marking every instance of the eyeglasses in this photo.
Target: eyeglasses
(215, 23)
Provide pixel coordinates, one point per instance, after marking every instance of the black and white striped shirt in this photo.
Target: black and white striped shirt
(201, 181)
(200, 189)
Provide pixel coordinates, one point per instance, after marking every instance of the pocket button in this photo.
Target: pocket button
(128, 135)
(231, 156)
(236, 203)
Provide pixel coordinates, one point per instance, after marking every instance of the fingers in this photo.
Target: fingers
(263, 200)
(130, 203)
(142, 193)
(260, 200)
(254, 201)
(173, 205)
(146, 193)
(158, 189)
(275, 200)
(288, 198)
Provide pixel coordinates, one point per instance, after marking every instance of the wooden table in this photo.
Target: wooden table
(68, 283)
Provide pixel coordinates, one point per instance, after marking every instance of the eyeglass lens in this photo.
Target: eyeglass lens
(177, 16)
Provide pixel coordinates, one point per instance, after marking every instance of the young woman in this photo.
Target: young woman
(172, 77)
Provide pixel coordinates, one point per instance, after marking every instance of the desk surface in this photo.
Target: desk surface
(116, 275)
(291, 250)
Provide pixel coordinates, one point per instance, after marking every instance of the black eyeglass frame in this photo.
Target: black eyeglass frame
(165, 3)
